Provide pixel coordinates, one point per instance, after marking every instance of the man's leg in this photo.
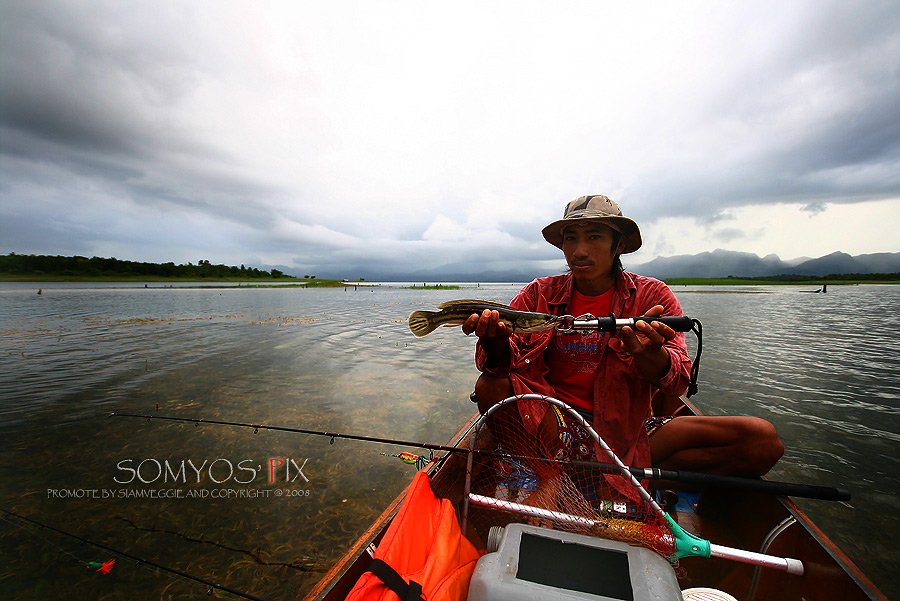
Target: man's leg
(490, 390)
(508, 429)
(724, 445)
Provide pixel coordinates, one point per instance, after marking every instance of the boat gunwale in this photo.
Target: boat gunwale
(325, 588)
(862, 581)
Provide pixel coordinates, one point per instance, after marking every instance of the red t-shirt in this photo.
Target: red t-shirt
(573, 358)
(621, 395)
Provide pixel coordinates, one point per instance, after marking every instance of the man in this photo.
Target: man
(611, 379)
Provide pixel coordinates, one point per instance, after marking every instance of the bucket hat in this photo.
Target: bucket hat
(595, 208)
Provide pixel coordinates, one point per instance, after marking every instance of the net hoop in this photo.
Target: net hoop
(529, 480)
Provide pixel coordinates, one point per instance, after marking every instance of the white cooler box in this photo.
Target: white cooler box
(529, 562)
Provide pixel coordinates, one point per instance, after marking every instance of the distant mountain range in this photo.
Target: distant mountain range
(715, 264)
(723, 263)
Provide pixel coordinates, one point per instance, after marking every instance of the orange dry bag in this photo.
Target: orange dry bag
(423, 554)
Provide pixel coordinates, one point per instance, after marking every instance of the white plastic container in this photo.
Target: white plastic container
(529, 562)
(706, 594)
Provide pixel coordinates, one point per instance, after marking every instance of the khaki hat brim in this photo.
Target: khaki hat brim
(631, 234)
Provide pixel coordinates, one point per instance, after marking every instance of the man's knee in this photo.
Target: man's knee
(490, 390)
(763, 447)
(771, 443)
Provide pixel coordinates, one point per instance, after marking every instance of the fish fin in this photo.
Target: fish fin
(451, 304)
(420, 323)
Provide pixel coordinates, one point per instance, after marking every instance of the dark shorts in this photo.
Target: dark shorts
(652, 424)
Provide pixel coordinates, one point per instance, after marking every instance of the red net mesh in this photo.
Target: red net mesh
(535, 463)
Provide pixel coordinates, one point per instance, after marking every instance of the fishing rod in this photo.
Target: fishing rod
(788, 489)
(686, 544)
(454, 313)
(138, 561)
(257, 427)
(589, 322)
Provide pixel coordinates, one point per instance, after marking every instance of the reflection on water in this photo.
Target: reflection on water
(344, 361)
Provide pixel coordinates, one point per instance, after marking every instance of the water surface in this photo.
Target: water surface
(820, 367)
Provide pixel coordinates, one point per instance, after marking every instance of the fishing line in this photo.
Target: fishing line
(697, 329)
(808, 491)
(138, 562)
(332, 435)
(255, 555)
(45, 539)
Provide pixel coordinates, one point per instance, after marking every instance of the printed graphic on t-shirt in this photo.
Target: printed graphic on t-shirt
(572, 359)
(572, 362)
(570, 345)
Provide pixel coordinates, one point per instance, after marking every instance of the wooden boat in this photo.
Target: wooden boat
(746, 520)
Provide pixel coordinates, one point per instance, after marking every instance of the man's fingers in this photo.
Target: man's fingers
(665, 331)
(644, 338)
(655, 311)
(626, 340)
(481, 329)
(489, 325)
(650, 331)
(469, 324)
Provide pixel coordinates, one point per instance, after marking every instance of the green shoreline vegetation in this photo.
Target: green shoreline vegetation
(28, 267)
(47, 268)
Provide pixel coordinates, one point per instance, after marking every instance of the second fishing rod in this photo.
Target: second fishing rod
(825, 493)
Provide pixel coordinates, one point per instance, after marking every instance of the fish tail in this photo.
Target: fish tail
(421, 323)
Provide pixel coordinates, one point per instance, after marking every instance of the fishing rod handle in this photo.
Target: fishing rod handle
(785, 489)
(611, 324)
(787, 564)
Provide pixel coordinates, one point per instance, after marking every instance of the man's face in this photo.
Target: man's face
(589, 251)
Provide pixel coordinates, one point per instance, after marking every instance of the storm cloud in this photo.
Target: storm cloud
(391, 137)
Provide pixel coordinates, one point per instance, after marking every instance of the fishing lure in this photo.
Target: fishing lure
(410, 458)
(104, 568)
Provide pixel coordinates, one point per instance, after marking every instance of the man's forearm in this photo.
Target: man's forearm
(496, 353)
(654, 366)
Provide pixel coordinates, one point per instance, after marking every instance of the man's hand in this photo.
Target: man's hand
(493, 334)
(486, 325)
(645, 343)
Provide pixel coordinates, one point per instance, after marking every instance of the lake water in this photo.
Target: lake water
(822, 367)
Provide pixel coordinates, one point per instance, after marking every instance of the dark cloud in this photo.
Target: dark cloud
(819, 108)
(95, 79)
(106, 138)
(95, 89)
(814, 208)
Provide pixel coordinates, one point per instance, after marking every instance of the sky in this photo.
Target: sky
(338, 137)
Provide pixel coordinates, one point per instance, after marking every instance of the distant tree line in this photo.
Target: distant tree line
(98, 266)
(817, 278)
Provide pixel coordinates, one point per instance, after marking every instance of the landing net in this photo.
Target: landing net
(537, 461)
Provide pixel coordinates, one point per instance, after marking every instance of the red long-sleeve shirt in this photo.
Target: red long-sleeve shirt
(622, 394)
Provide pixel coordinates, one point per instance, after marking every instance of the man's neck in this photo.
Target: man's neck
(597, 286)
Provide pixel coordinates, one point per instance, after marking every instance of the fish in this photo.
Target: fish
(454, 313)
